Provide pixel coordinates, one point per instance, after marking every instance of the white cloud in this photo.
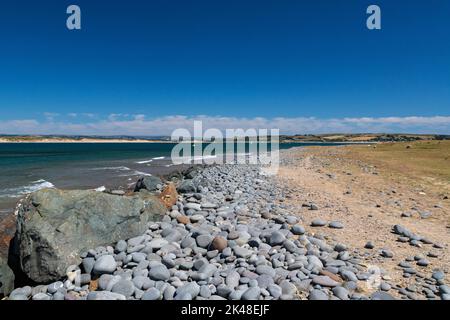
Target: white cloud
(50, 116)
(125, 124)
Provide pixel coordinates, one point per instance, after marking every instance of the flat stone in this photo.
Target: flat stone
(380, 295)
(316, 294)
(151, 294)
(325, 281)
(318, 223)
(191, 288)
(264, 269)
(241, 252)
(341, 293)
(438, 275)
(159, 272)
(124, 287)
(386, 253)
(336, 225)
(251, 294)
(423, 262)
(105, 295)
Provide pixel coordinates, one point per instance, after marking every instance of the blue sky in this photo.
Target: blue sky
(144, 67)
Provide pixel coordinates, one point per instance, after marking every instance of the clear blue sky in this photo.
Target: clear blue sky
(230, 58)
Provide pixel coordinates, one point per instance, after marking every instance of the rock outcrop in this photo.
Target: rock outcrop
(150, 183)
(55, 226)
(6, 278)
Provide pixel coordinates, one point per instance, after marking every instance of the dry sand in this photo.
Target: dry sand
(369, 201)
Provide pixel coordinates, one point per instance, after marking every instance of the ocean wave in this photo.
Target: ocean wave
(100, 189)
(159, 158)
(187, 160)
(144, 162)
(135, 173)
(24, 190)
(121, 168)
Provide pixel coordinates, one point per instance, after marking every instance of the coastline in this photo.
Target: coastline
(345, 210)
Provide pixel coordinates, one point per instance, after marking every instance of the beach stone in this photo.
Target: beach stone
(241, 252)
(188, 242)
(298, 229)
(223, 291)
(203, 240)
(41, 296)
(318, 223)
(232, 279)
(158, 243)
(444, 289)
(54, 226)
(159, 273)
(369, 245)
(438, 275)
(124, 287)
(275, 291)
(151, 294)
(183, 219)
(347, 275)
(264, 280)
(105, 295)
(380, 295)
(105, 264)
(150, 183)
(341, 293)
(59, 296)
(187, 186)
(169, 293)
(316, 294)
(336, 225)
(205, 292)
(251, 294)
(142, 282)
(386, 253)
(423, 262)
(264, 269)
(385, 286)
(325, 281)
(219, 243)
(191, 288)
(276, 238)
(55, 286)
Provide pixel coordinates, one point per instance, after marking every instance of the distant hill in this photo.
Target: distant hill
(334, 137)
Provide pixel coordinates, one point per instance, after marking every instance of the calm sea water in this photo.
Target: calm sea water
(27, 167)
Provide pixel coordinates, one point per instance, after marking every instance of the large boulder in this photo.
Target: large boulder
(55, 226)
(6, 278)
(150, 183)
(187, 186)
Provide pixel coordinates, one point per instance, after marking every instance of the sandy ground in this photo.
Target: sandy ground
(369, 202)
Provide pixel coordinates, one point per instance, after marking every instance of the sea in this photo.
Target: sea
(28, 167)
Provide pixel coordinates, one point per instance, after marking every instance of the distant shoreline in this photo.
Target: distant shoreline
(322, 138)
(84, 141)
(172, 142)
